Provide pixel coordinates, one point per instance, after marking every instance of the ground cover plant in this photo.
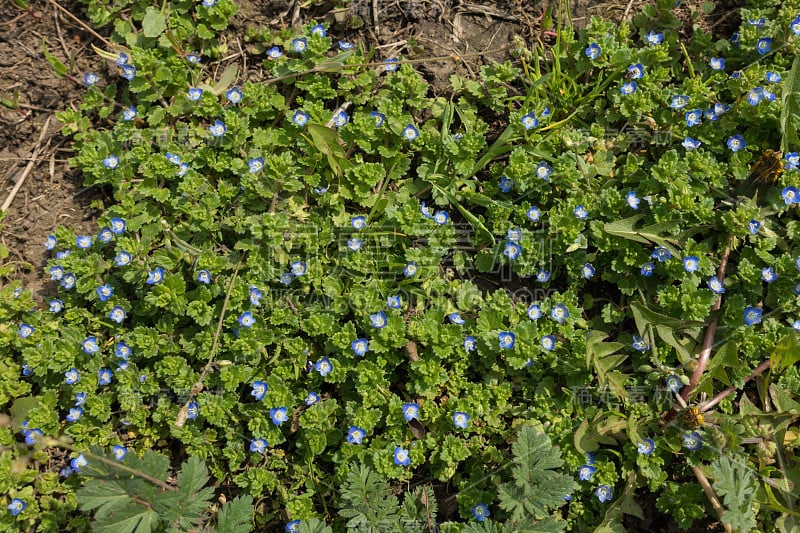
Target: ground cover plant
(569, 288)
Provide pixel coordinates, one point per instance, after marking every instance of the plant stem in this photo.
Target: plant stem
(712, 496)
(722, 395)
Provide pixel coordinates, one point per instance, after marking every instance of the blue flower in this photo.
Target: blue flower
(155, 276)
(51, 242)
(260, 388)
(300, 118)
(394, 302)
(194, 94)
(118, 226)
(192, 410)
(661, 254)
(533, 213)
(324, 366)
(549, 342)
(410, 269)
(68, 280)
(83, 241)
(27, 370)
(646, 446)
(32, 436)
(512, 250)
(716, 286)
(773, 77)
(544, 170)
(679, 101)
(122, 258)
(71, 376)
(258, 445)
(175, 159)
(359, 222)
(604, 492)
(80, 399)
(795, 25)
(674, 383)
(461, 419)
(543, 276)
(480, 511)
(378, 117)
(391, 64)
(204, 277)
(355, 435)
(193, 58)
(755, 95)
(410, 132)
(796, 326)
(768, 274)
(636, 71)
(647, 269)
(255, 295)
(505, 184)
(711, 115)
(344, 45)
(514, 234)
(208, 3)
(312, 398)
(104, 376)
(292, 527)
(753, 226)
(757, 22)
(25, 330)
(75, 414)
(639, 344)
(128, 72)
(90, 78)
(410, 411)
(692, 441)
(455, 318)
(122, 59)
(105, 235)
(378, 320)
(117, 314)
(234, 95)
(632, 200)
(580, 212)
(89, 345)
(507, 340)
(529, 121)
(691, 144)
(559, 313)
(129, 113)
(16, 506)
(299, 44)
(56, 306)
(274, 53)
(278, 415)
(218, 129)
(717, 63)
(401, 457)
(588, 271)
(790, 195)
(752, 315)
(592, 51)
(470, 344)
(534, 312)
(360, 346)
(691, 263)
(246, 319)
(78, 462)
(340, 119)
(764, 45)
(586, 472)
(441, 217)
(653, 39)
(693, 117)
(629, 87)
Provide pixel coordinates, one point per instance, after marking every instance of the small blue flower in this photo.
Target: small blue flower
(753, 226)
(647, 269)
(360, 346)
(653, 39)
(507, 340)
(90, 78)
(299, 44)
(470, 344)
(679, 101)
(292, 527)
(104, 376)
(752, 315)
(764, 45)
(773, 77)
(32, 436)
(533, 214)
(425, 210)
(693, 117)
(255, 164)
(194, 94)
(16, 506)
(255, 295)
(128, 72)
(51, 242)
(661, 254)
(592, 51)
(301, 118)
(117, 314)
(274, 53)
(410, 132)
(68, 280)
(736, 143)
(455, 318)
(691, 144)
(175, 159)
(639, 344)
(636, 71)
(278, 415)
(757, 22)
(319, 29)
(75, 414)
(691, 263)
(83, 241)
(234, 95)
(792, 160)
(755, 95)
(258, 445)
(543, 276)
(674, 383)
(717, 63)
(122, 258)
(514, 234)
(632, 200)
(25, 330)
(391, 64)
(410, 269)
(378, 320)
(359, 222)
(218, 129)
(768, 274)
(480, 511)
(209, 3)
(324, 366)
(355, 435)
(78, 462)
(394, 302)
(544, 171)
(378, 117)
(549, 342)
(344, 45)
(441, 217)
(80, 399)
(796, 326)
(129, 113)
(118, 226)
(795, 25)
(580, 212)
(559, 313)
(586, 472)
(192, 410)
(629, 87)
(193, 58)
(646, 446)
(529, 121)
(410, 411)
(401, 457)
(461, 419)
(534, 312)
(505, 184)
(716, 286)
(340, 119)
(89, 345)
(512, 250)
(299, 268)
(27, 370)
(155, 276)
(604, 492)
(246, 319)
(122, 59)
(710, 115)
(56, 306)
(692, 441)
(204, 277)
(72, 376)
(260, 388)
(587, 271)
(790, 195)
(312, 398)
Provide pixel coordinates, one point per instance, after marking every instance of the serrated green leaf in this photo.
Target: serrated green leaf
(735, 484)
(236, 516)
(314, 525)
(193, 476)
(154, 22)
(129, 519)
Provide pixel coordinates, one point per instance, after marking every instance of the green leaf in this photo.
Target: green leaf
(642, 315)
(735, 484)
(236, 516)
(786, 352)
(326, 141)
(131, 519)
(154, 22)
(315, 525)
(225, 81)
(368, 499)
(790, 107)
(647, 235)
(59, 67)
